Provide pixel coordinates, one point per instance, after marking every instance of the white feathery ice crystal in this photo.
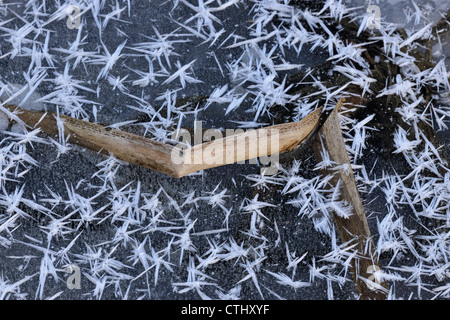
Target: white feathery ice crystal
(136, 234)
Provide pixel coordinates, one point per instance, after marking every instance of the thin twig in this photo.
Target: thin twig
(173, 160)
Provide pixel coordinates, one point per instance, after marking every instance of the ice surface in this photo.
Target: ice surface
(135, 233)
(4, 121)
(21, 97)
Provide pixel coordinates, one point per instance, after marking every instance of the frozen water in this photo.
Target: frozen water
(228, 231)
(4, 121)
